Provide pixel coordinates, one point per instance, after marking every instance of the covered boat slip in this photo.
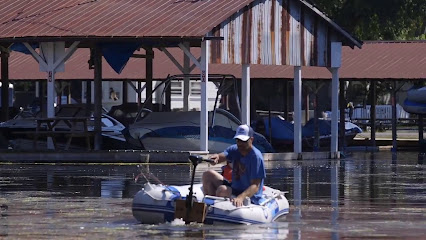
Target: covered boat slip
(354, 69)
(239, 34)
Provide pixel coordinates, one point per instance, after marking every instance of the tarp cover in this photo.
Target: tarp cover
(20, 47)
(118, 54)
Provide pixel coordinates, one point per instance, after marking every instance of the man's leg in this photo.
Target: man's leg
(211, 181)
(224, 191)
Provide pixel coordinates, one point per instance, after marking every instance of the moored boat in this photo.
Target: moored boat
(280, 132)
(415, 101)
(417, 95)
(414, 107)
(180, 131)
(25, 121)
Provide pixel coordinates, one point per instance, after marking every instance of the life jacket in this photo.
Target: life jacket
(227, 172)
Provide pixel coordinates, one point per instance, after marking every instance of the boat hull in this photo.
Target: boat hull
(156, 204)
(417, 95)
(180, 131)
(282, 137)
(414, 107)
(182, 144)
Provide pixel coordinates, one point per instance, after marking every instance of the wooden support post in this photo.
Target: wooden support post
(342, 103)
(394, 118)
(125, 91)
(373, 113)
(5, 86)
(149, 77)
(316, 116)
(421, 126)
(98, 97)
(306, 105)
(168, 93)
(139, 91)
(286, 99)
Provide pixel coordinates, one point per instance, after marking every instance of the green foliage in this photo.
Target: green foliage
(379, 19)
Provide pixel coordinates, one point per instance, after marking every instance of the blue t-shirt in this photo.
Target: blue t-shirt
(246, 168)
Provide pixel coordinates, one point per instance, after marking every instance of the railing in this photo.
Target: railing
(72, 127)
(382, 112)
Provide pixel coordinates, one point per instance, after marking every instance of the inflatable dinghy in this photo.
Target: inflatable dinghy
(156, 204)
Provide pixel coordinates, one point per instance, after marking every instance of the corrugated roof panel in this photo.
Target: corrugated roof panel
(295, 32)
(168, 18)
(308, 40)
(137, 18)
(281, 33)
(321, 44)
(391, 60)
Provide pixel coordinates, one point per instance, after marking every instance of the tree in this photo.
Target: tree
(378, 19)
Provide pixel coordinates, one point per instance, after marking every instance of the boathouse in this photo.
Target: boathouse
(247, 33)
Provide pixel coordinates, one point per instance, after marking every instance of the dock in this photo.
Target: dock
(131, 156)
(25, 154)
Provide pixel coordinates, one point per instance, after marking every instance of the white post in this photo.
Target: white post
(50, 102)
(37, 89)
(297, 114)
(204, 80)
(334, 109)
(54, 57)
(245, 85)
(336, 57)
(186, 70)
(49, 52)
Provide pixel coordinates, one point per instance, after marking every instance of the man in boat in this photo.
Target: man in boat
(248, 171)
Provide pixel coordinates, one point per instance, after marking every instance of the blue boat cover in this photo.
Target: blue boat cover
(115, 53)
(324, 128)
(20, 47)
(118, 54)
(281, 129)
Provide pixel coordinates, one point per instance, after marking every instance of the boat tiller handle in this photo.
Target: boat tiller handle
(195, 159)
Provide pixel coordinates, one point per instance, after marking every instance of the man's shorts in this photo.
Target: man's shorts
(234, 191)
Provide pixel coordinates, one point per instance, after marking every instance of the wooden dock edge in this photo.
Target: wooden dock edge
(135, 157)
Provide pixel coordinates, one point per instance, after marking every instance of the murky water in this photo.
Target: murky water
(362, 196)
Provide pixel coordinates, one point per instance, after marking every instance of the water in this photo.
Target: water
(363, 196)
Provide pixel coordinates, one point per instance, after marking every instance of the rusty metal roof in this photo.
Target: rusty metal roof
(376, 60)
(275, 32)
(111, 18)
(41, 20)
(386, 60)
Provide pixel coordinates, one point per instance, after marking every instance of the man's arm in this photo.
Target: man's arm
(218, 158)
(249, 192)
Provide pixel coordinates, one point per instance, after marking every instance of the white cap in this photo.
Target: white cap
(243, 133)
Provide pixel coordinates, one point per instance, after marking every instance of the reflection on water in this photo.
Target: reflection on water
(363, 196)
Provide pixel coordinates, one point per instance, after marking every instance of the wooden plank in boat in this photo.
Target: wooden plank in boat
(196, 214)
